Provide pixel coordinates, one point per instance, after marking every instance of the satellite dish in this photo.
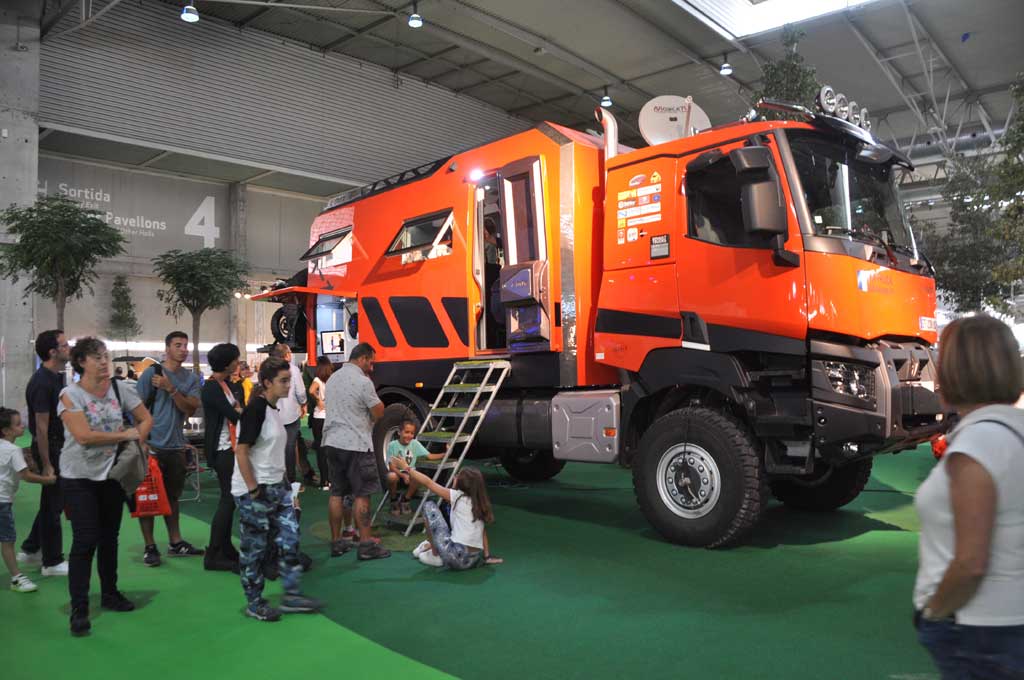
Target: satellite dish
(669, 117)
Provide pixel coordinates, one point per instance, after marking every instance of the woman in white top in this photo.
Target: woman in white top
(969, 593)
(464, 544)
(318, 391)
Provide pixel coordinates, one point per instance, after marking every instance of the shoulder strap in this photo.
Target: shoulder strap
(120, 404)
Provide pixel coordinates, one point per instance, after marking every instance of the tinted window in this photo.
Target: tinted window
(716, 209)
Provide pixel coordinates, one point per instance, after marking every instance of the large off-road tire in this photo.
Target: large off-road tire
(531, 465)
(386, 429)
(698, 478)
(836, 487)
(288, 325)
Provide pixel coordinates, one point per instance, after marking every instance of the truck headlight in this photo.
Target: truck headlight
(852, 380)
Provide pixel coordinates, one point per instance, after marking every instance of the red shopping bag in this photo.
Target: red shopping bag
(151, 496)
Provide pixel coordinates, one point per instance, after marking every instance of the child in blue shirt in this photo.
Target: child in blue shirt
(407, 448)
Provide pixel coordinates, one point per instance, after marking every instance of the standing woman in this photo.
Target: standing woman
(318, 390)
(222, 407)
(264, 498)
(93, 418)
(969, 594)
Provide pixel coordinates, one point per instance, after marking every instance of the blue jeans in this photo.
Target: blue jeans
(271, 518)
(974, 652)
(455, 556)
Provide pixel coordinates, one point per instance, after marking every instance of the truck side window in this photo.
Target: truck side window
(424, 237)
(715, 210)
(522, 210)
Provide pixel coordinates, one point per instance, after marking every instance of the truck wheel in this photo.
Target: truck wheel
(831, 491)
(386, 429)
(698, 478)
(531, 465)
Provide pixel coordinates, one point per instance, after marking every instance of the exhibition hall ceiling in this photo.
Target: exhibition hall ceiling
(931, 72)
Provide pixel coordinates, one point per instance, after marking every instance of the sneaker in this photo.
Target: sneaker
(396, 510)
(406, 507)
(56, 570)
(30, 559)
(425, 545)
(428, 558)
(349, 534)
(184, 549)
(22, 584)
(151, 557)
(339, 548)
(80, 621)
(299, 604)
(116, 602)
(263, 612)
(368, 550)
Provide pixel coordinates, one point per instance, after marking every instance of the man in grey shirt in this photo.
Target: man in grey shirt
(171, 393)
(352, 407)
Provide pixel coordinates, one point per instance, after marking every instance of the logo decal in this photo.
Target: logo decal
(655, 177)
(927, 323)
(637, 180)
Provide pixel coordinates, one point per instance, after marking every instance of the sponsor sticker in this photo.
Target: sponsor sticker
(629, 193)
(644, 200)
(646, 191)
(624, 213)
(637, 180)
(621, 223)
(627, 204)
(656, 198)
(647, 219)
(927, 323)
(632, 234)
(621, 236)
(655, 177)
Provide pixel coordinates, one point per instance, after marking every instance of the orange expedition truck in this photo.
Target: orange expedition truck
(733, 313)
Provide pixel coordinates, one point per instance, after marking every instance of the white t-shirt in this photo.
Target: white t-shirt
(12, 462)
(262, 429)
(289, 406)
(465, 528)
(224, 443)
(999, 600)
(318, 411)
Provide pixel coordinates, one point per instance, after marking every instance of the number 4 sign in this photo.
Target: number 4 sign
(204, 222)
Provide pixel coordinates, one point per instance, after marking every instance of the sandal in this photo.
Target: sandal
(493, 559)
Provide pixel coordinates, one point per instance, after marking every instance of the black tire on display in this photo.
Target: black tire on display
(531, 465)
(698, 478)
(837, 487)
(386, 429)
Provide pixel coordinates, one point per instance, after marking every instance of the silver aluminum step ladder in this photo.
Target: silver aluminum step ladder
(452, 423)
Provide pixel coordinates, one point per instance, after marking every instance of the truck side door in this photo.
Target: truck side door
(727, 276)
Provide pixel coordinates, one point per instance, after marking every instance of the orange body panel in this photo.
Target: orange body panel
(860, 299)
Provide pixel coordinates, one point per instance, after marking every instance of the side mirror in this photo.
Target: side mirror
(764, 205)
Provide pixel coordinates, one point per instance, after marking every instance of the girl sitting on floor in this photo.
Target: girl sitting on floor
(463, 545)
(408, 448)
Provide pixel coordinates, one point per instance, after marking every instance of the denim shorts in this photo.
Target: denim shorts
(964, 652)
(7, 523)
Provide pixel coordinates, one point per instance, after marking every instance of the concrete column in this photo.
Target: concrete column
(19, 168)
(237, 316)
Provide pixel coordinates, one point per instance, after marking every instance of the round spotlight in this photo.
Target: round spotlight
(854, 115)
(238, 296)
(842, 106)
(726, 68)
(827, 100)
(189, 14)
(864, 121)
(476, 174)
(606, 101)
(415, 20)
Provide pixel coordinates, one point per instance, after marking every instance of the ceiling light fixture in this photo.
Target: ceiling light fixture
(726, 68)
(415, 20)
(606, 101)
(189, 14)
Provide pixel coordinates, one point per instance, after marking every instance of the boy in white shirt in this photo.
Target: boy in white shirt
(12, 470)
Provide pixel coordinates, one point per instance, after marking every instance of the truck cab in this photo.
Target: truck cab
(733, 314)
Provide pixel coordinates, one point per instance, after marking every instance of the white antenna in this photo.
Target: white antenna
(669, 117)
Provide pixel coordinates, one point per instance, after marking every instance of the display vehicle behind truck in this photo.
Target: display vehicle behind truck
(734, 312)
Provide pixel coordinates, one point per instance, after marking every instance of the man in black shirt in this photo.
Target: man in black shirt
(44, 543)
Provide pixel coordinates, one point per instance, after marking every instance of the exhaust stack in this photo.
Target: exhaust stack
(611, 132)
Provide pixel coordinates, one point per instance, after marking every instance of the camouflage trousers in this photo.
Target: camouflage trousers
(270, 519)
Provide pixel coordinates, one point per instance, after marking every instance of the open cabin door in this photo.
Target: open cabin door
(525, 292)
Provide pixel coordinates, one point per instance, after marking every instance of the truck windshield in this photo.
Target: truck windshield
(849, 197)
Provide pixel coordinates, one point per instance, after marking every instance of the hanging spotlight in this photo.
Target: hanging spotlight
(606, 101)
(827, 100)
(415, 20)
(189, 13)
(842, 106)
(854, 115)
(726, 68)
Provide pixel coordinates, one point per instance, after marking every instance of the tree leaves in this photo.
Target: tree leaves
(199, 280)
(123, 321)
(789, 79)
(59, 245)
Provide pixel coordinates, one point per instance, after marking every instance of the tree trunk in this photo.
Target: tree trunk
(61, 300)
(195, 341)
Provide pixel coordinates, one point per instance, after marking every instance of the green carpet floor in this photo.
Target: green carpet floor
(587, 591)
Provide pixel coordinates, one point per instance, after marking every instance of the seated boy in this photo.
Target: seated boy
(408, 448)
